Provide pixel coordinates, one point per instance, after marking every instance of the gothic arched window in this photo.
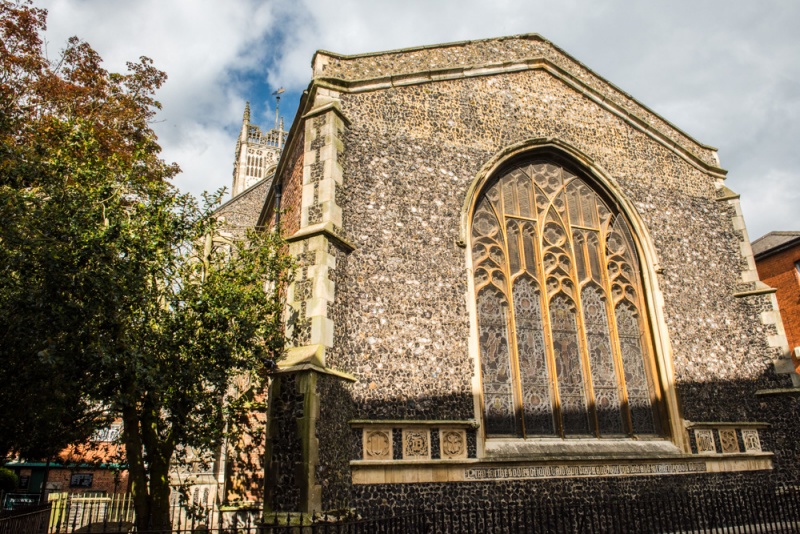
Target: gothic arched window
(564, 337)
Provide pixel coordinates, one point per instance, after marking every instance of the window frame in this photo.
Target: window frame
(660, 372)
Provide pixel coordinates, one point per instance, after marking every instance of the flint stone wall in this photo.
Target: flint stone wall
(400, 310)
(410, 155)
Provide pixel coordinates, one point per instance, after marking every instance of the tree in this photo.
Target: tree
(115, 298)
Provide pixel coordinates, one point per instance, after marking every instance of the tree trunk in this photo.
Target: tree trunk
(137, 476)
(159, 495)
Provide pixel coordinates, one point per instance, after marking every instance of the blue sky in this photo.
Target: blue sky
(726, 72)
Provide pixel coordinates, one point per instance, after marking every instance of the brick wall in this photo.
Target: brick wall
(292, 194)
(778, 271)
(102, 480)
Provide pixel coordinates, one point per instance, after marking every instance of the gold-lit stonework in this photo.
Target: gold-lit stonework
(705, 441)
(377, 445)
(728, 440)
(453, 444)
(416, 445)
(751, 441)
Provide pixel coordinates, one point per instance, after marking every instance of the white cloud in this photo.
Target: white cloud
(723, 71)
(203, 46)
(770, 202)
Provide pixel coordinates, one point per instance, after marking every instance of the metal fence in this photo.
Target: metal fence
(27, 520)
(742, 511)
(92, 512)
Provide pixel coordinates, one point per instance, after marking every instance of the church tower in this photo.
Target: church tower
(257, 152)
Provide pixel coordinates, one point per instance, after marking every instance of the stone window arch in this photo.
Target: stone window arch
(564, 334)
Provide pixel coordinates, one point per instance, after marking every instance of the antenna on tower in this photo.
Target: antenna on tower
(277, 94)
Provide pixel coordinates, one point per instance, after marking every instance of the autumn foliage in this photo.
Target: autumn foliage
(118, 299)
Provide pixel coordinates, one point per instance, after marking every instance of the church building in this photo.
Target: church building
(514, 280)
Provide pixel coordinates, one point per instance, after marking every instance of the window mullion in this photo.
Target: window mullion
(583, 342)
(546, 323)
(513, 354)
(616, 347)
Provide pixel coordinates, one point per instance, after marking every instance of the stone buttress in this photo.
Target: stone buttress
(300, 478)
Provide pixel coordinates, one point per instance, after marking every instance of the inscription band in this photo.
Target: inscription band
(549, 471)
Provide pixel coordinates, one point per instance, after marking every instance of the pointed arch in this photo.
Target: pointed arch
(581, 352)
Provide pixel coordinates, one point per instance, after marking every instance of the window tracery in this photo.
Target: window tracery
(563, 336)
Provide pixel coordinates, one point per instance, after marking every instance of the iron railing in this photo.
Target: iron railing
(774, 509)
(25, 520)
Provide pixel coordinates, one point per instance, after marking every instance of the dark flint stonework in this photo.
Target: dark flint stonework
(357, 449)
(397, 443)
(387, 499)
(287, 449)
(333, 471)
(435, 448)
(472, 443)
(739, 439)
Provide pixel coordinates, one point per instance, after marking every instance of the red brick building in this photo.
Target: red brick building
(777, 256)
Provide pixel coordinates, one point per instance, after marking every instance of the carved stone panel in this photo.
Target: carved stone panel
(453, 443)
(416, 444)
(751, 441)
(705, 441)
(378, 444)
(728, 440)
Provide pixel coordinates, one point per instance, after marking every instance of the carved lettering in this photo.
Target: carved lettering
(415, 445)
(751, 441)
(705, 441)
(549, 471)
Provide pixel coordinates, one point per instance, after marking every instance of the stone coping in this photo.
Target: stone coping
(471, 423)
(466, 55)
(505, 449)
(779, 392)
(431, 471)
(473, 42)
(727, 424)
(437, 75)
(325, 229)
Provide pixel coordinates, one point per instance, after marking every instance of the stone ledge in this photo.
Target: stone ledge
(725, 193)
(517, 449)
(308, 358)
(410, 472)
(729, 424)
(760, 288)
(358, 423)
(779, 392)
(330, 106)
(325, 229)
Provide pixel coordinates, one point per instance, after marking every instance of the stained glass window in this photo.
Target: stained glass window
(563, 331)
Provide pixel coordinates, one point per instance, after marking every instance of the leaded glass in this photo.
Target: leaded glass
(601, 360)
(568, 366)
(536, 399)
(624, 278)
(498, 395)
(563, 339)
(630, 335)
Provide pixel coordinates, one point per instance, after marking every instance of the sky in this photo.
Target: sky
(725, 72)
